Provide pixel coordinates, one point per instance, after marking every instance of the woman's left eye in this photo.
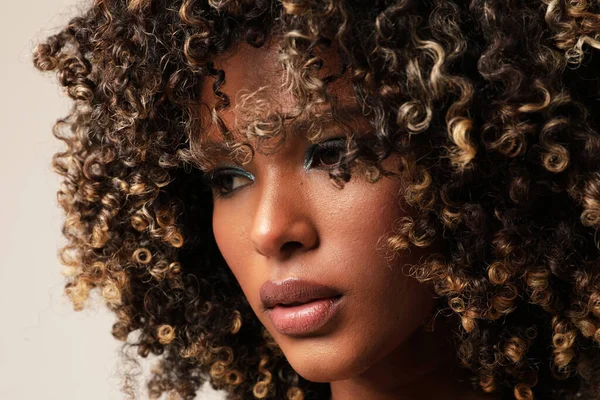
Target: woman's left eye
(326, 154)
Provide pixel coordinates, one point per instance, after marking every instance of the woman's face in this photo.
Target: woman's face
(285, 222)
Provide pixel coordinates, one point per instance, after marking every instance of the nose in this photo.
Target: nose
(282, 224)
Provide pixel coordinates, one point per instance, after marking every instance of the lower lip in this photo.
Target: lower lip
(304, 318)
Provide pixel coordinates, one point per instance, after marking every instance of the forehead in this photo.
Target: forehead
(255, 84)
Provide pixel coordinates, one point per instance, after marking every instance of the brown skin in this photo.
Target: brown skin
(376, 347)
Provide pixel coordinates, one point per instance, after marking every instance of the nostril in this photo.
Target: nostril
(289, 247)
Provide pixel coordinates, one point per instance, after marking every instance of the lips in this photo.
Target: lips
(293, 292)
(297, 307)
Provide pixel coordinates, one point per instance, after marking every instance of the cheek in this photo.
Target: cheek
(363, 233)
(231, 232)
(226, 229)
(356, 222)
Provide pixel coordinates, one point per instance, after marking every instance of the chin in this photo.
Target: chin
(318, 364)
(323, 373)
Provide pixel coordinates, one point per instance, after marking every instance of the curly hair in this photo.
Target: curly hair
(491, 106)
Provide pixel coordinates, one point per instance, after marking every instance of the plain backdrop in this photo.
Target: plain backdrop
(47, 350)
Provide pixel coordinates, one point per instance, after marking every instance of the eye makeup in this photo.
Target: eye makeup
(322, 156)
(221, 178)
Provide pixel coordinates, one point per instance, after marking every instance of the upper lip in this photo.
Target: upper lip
(293, 290)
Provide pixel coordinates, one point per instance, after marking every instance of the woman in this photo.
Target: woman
(336, 199)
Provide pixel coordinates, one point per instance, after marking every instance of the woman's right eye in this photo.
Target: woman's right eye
(226, 181)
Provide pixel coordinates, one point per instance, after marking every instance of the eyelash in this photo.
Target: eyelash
(213, 178)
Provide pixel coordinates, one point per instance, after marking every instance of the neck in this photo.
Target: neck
(423, 367)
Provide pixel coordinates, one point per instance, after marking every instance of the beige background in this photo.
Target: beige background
(47, 351)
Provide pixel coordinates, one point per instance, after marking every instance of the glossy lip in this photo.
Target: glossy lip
(297, 307)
